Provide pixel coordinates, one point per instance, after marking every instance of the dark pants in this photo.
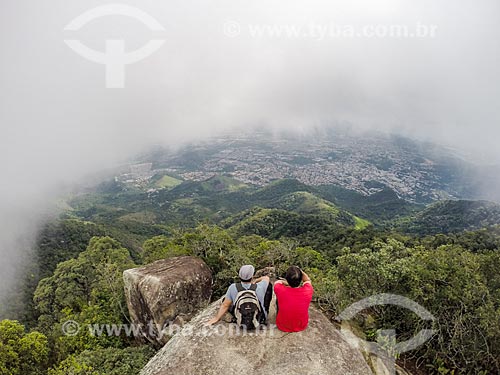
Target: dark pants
(268, 297)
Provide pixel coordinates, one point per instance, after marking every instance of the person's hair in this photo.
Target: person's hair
(245, 281)
(293, 276)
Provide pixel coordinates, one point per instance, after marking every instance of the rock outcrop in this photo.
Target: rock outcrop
(223, 349)
(166, 291)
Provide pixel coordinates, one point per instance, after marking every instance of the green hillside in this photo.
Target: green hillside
(220, 197)
(306, 230)
(272, 193)
(452, 216)
(304, 202)
(223, 183)
(382, 208)
(265, 222)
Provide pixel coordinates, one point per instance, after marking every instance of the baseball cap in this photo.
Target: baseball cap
(246, 272)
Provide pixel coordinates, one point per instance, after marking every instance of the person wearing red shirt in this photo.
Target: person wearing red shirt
(293, 300)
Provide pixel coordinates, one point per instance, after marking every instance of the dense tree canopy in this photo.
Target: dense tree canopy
(20, 352)
(87, 289)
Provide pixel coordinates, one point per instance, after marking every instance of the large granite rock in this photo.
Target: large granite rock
(166, 291)
(222, 349)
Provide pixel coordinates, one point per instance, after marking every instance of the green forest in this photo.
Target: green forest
(444, 256)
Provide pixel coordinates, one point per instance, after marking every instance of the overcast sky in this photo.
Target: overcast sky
(215, 70)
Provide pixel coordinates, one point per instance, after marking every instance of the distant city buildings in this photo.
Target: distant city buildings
(364, 165)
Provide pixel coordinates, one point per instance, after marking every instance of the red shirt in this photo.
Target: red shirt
(293, 307)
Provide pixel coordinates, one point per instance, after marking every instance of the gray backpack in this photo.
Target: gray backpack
(247, 309)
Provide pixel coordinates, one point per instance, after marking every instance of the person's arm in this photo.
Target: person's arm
(224, 308)
(305, 278)
(262, 278)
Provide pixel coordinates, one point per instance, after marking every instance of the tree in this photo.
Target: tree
(88, 290)
(457, 286)
(307, 257)
(20, 352)
(162, 247)
(108, 361)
